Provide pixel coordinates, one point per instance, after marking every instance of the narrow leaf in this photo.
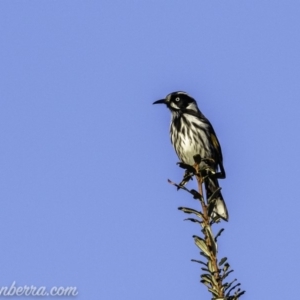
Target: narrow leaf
(207, 278)
(206, 256)
(211, 278)
(211, 267)
(240, 294)
(205, 270)
(199, 261)
(218, 234)
(208, 284)
(193, 220)
(191, 211)
(229, 285)
(196, 195)
(214, 292)
(228, 293)
(201, 244)
(222, 261)
(186, 167)
(224, 276)
(212, 241)
(226, 267)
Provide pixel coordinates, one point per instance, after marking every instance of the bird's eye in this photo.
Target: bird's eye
(177, 99)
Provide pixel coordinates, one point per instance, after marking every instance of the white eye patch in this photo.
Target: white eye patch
(173, 105)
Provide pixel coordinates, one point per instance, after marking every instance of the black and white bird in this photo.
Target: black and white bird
(192, 134)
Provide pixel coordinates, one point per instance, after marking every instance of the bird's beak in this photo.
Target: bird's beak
(161, 101)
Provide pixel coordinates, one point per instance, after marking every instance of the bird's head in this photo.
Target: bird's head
(179, 102)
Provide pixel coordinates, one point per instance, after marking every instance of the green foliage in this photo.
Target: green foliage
(214, 272)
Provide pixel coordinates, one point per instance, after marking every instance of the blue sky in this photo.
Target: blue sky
(85, 157)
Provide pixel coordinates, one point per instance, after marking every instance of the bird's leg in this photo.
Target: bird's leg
(200, 181)
(200, 190)
(198, 166)
(188, 174)
(198, 160)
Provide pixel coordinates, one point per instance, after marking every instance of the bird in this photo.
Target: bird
(192, 134)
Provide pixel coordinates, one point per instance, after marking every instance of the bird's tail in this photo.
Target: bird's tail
(211, 184)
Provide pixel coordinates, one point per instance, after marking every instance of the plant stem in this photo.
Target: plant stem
(207, 227)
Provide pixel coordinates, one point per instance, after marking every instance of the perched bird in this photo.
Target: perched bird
(192, 134)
